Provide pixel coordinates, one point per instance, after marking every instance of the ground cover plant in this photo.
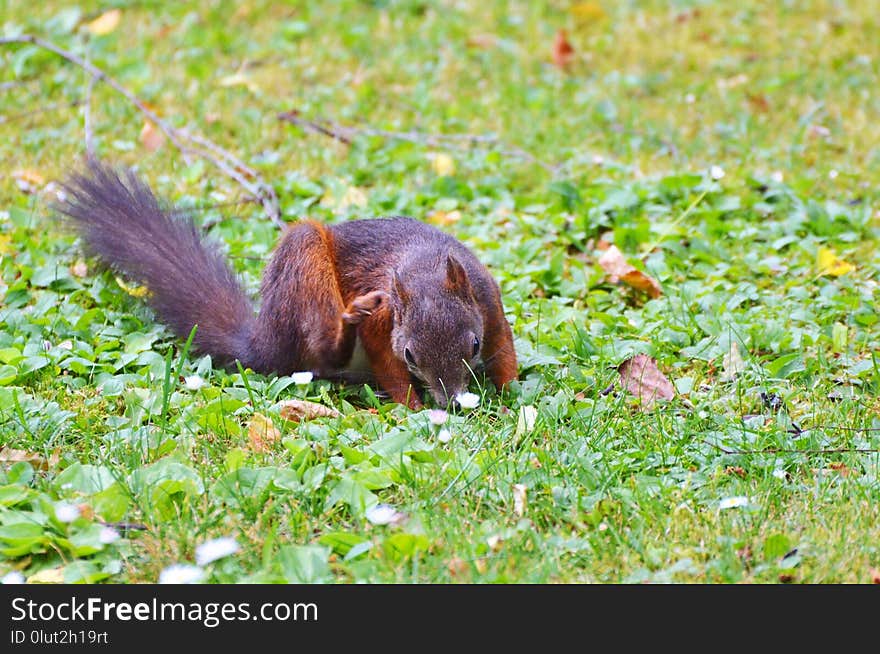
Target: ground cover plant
(692, 182)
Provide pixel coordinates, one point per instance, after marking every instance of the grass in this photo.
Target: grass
(617, 148)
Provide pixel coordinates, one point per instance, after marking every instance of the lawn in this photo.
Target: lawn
(729, 151)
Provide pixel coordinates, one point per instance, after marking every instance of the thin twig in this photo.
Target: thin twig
(781, 450)
(34, 112)
(87, 121)
(346, 134)
(227, 163)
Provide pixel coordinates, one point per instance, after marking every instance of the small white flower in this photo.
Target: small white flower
(690, 98)
(776, 176)
(66, 512)
(383, 514)
(181, 573)
(108, 536)
(212, 550)
(598, 159)
(302, 378)
(437, 416)
(780, 474)
(832, 174)
(444, 436)
(193, 382)
(734, 502)
(468, 400)
(14, 577)
(716, 172)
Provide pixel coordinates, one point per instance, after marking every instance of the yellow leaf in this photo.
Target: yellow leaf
(134, 291)
(151, 137)
(105, 23)
(262, 433)
(5, 240)
(829, 263)
(443, 164)
(439, 217)
(353, 196)
(587, 11)
(50, 576)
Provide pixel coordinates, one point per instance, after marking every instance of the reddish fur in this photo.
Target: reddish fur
(390, 372)
(323, 287)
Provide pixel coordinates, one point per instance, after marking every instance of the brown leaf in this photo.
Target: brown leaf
(458, 568)
(735, 470)
(151, 137)
(641, 282)
(482, 41)
(563, 52)
(298, 410)
(262, 433)
(875, 576)
(8, 455)
(618, 269)
(641, 377)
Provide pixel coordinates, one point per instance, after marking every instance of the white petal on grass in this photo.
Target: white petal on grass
(181, 573)
(14, 577)
(383, 514)
(437, 416)
(525, 420)
(218, 548)
(716, 172)
(468, 400)
(444, 436)
(734, 502)
(302, 378)
(519, 499)
(108, 536)
(776, 176)
(193, 382)
(832, 174)
(66, 512)
(780, 474)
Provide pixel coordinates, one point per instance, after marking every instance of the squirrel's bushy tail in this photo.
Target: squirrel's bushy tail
(122, 222)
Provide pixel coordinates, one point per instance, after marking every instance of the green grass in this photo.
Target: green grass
(618, 148)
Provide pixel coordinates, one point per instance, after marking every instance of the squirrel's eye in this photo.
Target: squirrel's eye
(410, 359)
(476, 346)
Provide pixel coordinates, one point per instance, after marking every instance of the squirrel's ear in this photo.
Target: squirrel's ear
(456, 277)
(399, 289)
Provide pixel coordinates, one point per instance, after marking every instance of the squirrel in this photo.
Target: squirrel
(417, 301)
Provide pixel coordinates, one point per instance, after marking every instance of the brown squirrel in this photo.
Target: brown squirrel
(420, 304)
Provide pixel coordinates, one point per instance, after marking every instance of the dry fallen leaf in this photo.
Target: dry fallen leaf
(105, 23)
(563, 52)
(618, 269)
(9, 455)
(482, 41)
(732, 364)
(829, 263)
(262, 433)
(443, 164)
(457, 567)
(875, 575)
(525, 420)
(439, 217)
(48, 576)
(298, 410)
(151, 137)
(641, 377)
(587, 11)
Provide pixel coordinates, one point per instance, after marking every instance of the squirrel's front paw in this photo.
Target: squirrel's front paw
(364, 306)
